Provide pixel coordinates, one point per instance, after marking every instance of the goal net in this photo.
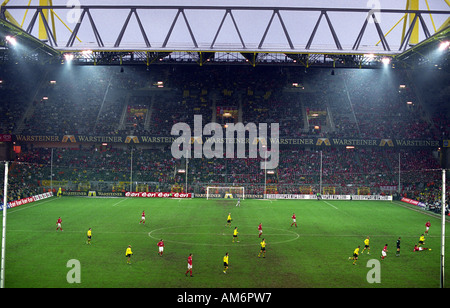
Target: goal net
(329, 190)
(225, 192)
(305, 190)
(364, 191)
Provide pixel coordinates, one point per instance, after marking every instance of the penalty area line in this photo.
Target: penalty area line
(117, 203)
(330, 204)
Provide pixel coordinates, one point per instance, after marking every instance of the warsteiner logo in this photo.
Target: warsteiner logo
(135, 139)
(323, 140)
(386, 141)
(70, 138)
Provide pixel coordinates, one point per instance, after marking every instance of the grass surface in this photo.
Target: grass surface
(315, 254)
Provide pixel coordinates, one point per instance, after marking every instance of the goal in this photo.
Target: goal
(364, 191)
(305, 190)
(225, 192)
(329, 190)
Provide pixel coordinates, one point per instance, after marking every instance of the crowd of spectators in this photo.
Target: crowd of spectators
(343, 170)
(96, 100)
(17, 87)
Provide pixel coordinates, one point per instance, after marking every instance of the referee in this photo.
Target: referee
(398, 247)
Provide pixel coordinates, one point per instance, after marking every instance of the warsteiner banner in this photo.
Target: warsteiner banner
(282, 141)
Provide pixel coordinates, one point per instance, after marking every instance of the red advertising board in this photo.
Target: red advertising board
(5, 138)
(29, 199)
(157, 195)
(414, 202)
(410, 201)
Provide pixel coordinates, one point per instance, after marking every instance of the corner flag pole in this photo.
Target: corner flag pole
(5, 205)
(443, 228)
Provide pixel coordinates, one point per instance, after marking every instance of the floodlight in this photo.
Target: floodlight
(68, 57)
(369, 56)
(11, 40)
(444, 45)
(386, 61)
(86, 53)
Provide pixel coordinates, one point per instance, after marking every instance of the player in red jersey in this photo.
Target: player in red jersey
(427, 227)
(416, 248)
(294, 220)
(384, 252)
(58, 224)
(142, 217)
(161, 247)
(189, 270)
(260, 229)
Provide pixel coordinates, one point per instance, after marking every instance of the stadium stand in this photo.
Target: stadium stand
(103, 101)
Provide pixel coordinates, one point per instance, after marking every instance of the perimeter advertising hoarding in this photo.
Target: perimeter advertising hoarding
(307, 141)
(330, 197)
(19, 202)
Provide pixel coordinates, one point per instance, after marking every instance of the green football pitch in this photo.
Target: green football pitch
(313, 254)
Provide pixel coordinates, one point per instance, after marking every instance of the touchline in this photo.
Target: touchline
(216, 141)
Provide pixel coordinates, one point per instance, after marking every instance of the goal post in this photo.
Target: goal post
(221, 192)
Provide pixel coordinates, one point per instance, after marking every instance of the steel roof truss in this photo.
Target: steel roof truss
(77, 28)
(330, 25)
(124, 27)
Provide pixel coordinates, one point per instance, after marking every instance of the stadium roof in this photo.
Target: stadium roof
(309, 35)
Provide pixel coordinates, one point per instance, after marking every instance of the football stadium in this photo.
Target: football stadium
(224, 147)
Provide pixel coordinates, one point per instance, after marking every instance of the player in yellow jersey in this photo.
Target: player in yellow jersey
(263, 249)
(225, 263)
(89, 236)
(128, 254)
(366, 246)
(355, 255)
(228, 220)
(421, 240)
(235, 235)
